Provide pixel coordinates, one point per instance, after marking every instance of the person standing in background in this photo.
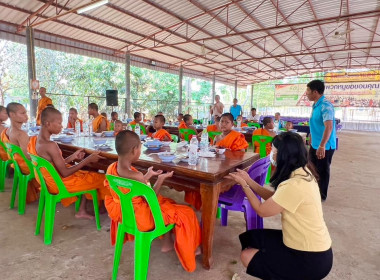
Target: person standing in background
(42, 104)
(322, 133)
(236, 109)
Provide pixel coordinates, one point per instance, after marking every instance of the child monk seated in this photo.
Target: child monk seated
(180, 118)
(73, 177)
(99, 124)
(15, 135)
(288, 126)
(240, 118)
(230, 139)
(160, 134)
(73, 117)
(187, 123)
(267, 130)
(3, 117)
(215, 126)
(118, 126)
(187, 229)
(137, 119)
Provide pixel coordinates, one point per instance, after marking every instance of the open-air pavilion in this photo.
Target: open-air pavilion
(235, 42)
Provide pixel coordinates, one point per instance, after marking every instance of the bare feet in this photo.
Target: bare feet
(83, 215)
(198, 251)
(167, 243)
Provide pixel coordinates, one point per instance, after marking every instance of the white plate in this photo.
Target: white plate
(206, 154)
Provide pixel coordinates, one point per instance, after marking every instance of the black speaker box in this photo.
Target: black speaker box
(111, 97)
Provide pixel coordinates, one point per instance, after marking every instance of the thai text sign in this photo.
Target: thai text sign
(288, 95)
(343, 77)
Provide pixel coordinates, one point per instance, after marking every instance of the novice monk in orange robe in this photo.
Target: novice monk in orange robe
(215, 126)
(230, 139)
(75, 180)
(3, 117)
(108, 124)
(160, 134)
(138, 120)
(187, 123)
(15, 135)
(42, 104)
(240, 118)
(187, 230)
(118, 126)
(266, 131)
(73, 117)
(99, 124)
(180, 118)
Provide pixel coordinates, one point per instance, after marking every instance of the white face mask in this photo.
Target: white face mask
(272, 161)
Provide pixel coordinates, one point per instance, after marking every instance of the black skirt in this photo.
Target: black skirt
(276, 261)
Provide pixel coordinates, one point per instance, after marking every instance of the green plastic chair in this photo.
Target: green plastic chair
(263, 141)
(4, 168)
(174, 138)
(196, 122)
(20, 180)
(112, 126)
(142, 127)
(186, 132)
(251, 124)
(212, 134)
(49, 201)
(143, 240)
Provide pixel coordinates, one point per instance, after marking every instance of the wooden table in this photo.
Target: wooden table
(207, 178)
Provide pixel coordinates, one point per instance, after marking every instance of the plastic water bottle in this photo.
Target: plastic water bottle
(204, 141)
(129, 127)
(137, 129)
(193, 151)
(238, 124)
(85, 128)
(90, 127)
(77, 127)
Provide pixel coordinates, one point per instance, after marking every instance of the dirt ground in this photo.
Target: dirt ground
(79, 251)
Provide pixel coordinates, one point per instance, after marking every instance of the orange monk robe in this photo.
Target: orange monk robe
(160, 135)
(97, 122)
(42, 104)
(108, 124)
(33, 186)
(264, 132)
(187, 230)
(133, 122)
(234, 141)
(182, 124)
(76, 182)
(212, 127)
(69, 125)
(243, 125)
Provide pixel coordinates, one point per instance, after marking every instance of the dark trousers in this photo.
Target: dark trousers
(323, 168)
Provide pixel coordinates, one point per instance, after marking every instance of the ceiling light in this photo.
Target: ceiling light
(92, 6)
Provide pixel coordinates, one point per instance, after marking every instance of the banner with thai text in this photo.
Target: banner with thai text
(365, 94)
(346, 77)
(288, 95)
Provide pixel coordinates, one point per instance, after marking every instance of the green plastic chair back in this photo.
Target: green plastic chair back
(174, 138)
(186, 132)
(142, 127)
(112, 125)
(212, 134)
(282, 129)
(20, 180)
(4, 167)
(263, 141)
(196, 122)
(251, 124)
(143, 240)
(48, 201)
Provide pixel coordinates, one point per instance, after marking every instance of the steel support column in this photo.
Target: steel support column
(127, 108)
(31, 69)
(236, 85)
(180, 89)
(251, 98)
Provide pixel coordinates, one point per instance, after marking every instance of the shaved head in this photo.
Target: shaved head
(49, 114)
(2, 108)
(93, 106)
(13, 107)
(161, 118)
(126, 141)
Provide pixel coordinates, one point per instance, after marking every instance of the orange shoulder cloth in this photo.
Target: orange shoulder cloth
(234, 141)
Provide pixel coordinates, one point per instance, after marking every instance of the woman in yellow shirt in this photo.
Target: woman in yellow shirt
(302, 249)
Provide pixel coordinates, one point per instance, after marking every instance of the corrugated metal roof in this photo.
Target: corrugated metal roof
(244, 40)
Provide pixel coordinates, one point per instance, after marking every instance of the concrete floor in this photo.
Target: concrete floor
(79, 251)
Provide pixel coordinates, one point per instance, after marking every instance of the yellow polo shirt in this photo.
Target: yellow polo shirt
(303, 226)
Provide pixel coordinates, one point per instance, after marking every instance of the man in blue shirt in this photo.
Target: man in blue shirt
(322, 133)
(235, 109)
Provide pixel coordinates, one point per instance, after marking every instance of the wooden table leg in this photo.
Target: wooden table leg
(210, 196)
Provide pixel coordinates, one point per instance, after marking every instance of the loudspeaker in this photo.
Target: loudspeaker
(111, 97)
